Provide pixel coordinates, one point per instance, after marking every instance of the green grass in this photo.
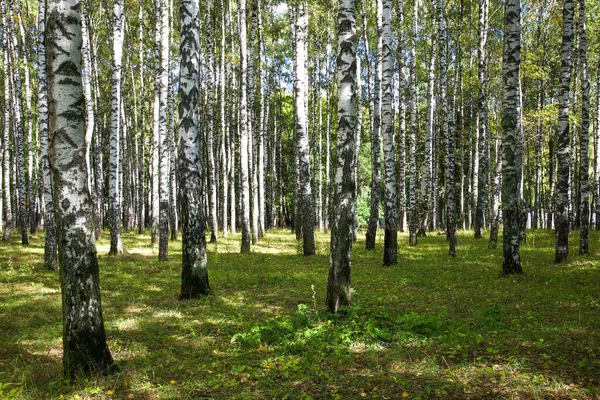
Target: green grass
(432, 327)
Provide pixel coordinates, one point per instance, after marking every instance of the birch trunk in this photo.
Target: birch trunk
(482, 118)
(584, 185)
(194, 272)
(141, 130)
(390, 252)
(375, 147)
(224, 136)
(163, 170)
(116, 244)
(84, 339)
(412, 151)
(338, 286)
(50, 244)
(245, 189)
(561, 215)
(6, 133)
(303, 147)
(154, 170)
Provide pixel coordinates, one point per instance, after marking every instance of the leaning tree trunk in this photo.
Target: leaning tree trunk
(84, 339)
(584, 185)
(243, 125)
(561, 212)
(303, 147)
(6, 134)
(116, 245)
(412, 147)
(194, 273)
(342, 221)
(482, 118)
(510, 117)
(50, 261)
(163, 169)
(390, 252)
(375, 149)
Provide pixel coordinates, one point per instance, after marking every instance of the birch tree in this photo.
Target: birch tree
(116, 244)
(561, 212)
(6, 132)
(390, 252)
(243, 126)
(344, 185)
(302, 141)
(412, 147)
(50, 249)
(511, 60)
(482, 118)
(584, 185)
(194, 272)
(163, 170)
(84, 339)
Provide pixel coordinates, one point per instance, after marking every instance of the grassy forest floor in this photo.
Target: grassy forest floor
(432, 327)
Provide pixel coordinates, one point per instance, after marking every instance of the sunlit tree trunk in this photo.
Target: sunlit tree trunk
(412, 147)
(84, 339)
(243, 124)
(224, 137)
(50, 249)
(194, 272)
(303, 148)
(141, 130)
(154, 170)
(401, 136)
(338, 286)
(116, 245)
(584, 210)
(495, 198)
(261, 129)
(482, 119)
(561, 215)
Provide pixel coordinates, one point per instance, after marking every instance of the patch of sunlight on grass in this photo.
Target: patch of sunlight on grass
(362, 347)
(168, 314)
(127, 324)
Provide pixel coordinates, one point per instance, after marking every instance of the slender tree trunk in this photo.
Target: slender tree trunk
(482, 118)
(401, 122)
(155, 130)
(50, 245)
(244, 118)
(6, 133)
(510, 116)
(413, 207)
(562, 145)
(84, 339)
(141, 130)
(584, 208)
(375, 148)
(597, 152)
(261, 129)
(303, 147)
(338, 286)
(495, 203)
(224, 137)
(390, 252)
(116, 245)
(163, 170)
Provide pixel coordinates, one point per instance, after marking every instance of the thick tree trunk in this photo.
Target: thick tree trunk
(84, 339)
(561, 215)
(303, 147)
(584, 185)
(510, 126)
(116, 245)
(50, 244)
(482, 118)
(194, 272)
(338, 286)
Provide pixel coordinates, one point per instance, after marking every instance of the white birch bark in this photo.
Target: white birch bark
(244, 136)
(116, 244)
(84, 339)
(163, 170)
(6, 132)
(412, 150)
(584, 184)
